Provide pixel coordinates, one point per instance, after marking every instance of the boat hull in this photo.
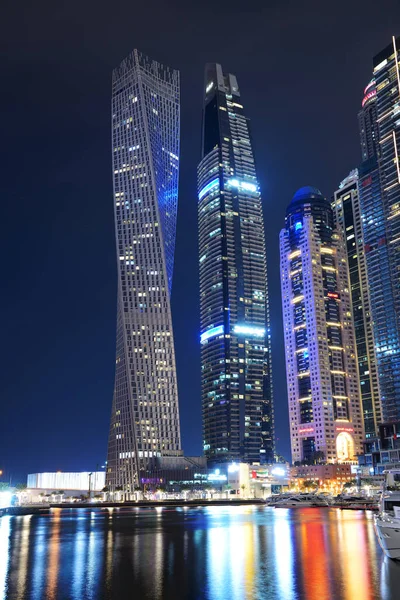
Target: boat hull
(388, 534)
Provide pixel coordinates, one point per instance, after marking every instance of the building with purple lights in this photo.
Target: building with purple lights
(325, 411)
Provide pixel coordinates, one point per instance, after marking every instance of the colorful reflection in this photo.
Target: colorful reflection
(53, 556)
(314, 555)
(356, 571)
(284, 555)
(240, 553)
(23, 556)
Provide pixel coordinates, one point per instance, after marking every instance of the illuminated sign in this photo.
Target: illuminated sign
(214, 183)
(249, 330)
(210, 333)
(217, 476)
(347, 429)
(307, 430)
(333, 295)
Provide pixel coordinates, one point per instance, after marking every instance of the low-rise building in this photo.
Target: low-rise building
(62, 485)
(330, 477)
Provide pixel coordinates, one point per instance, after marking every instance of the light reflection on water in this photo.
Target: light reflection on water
(214, 553)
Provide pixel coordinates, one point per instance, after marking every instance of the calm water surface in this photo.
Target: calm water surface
(216, 553)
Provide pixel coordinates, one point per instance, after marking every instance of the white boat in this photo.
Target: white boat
(299, 501)
(387, 522)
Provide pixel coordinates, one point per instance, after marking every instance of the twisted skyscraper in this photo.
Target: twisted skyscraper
(145, 150)
(235, 335)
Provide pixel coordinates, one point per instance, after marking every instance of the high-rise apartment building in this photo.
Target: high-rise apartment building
(145, 150)
(347, 218)
(379, 189)
(321, 366)
(235, 333)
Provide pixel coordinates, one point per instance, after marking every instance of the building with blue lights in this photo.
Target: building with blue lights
(235, 343)
(347, 217)
(379, 193)
(145, 151)
(325, 411)
(382, 229)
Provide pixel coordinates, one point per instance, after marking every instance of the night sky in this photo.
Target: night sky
(301, 67)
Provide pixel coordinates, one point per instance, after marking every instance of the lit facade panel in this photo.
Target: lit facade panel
(321, 367)
(145, 150)
(67, 481)
(347, 216)
(234, 312)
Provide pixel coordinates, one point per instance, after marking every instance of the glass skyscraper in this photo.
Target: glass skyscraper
(235, 333)
(321, 367)
(347, 217)
(379, 189)
(145, 151)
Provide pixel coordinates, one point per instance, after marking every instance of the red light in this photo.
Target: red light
(333, 295)
(368, 97)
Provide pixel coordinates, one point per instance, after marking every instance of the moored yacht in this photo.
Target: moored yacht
(387, 522)
(298, 501)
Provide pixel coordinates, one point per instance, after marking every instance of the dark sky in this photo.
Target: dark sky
(301, 67)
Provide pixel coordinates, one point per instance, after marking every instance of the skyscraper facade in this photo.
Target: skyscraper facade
(235, 334)
(347, 218)
(321, 367)
(379, 189)
(145, 150)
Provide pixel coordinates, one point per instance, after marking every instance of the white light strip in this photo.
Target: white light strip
(249, 330)
(396, 63)
(397, 156)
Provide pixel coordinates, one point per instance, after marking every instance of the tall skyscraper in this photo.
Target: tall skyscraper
(321, 367)
(347, 217)
(379, 189)
(235, 332)
(145, 150)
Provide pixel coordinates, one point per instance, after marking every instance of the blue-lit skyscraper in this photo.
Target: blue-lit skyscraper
(379, 190)
(235, 339)
(347, 217)
(145, 150)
